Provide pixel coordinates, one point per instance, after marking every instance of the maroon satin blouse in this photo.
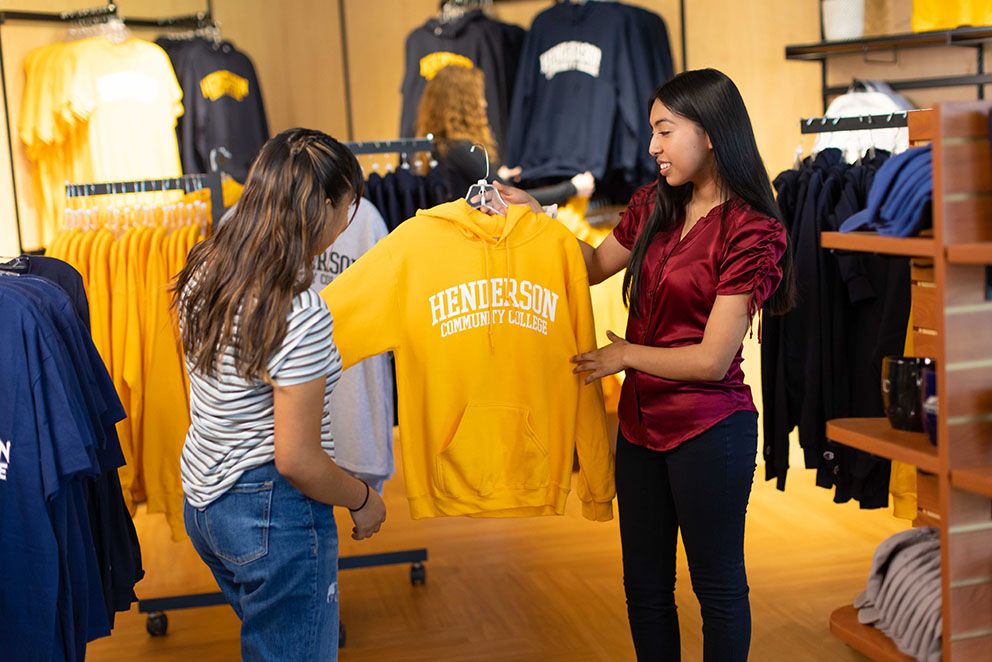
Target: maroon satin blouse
(680, 282)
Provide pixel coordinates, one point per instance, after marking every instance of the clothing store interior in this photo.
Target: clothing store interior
(130, 132)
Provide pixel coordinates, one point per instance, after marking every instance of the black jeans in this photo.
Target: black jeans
(701, 487)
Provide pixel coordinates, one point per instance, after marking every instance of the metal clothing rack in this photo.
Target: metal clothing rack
(95, 15)
(187, 183)
(858, 123)
(401, 146)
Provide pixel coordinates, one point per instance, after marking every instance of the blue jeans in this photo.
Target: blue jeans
(274, 553)
(702, 487)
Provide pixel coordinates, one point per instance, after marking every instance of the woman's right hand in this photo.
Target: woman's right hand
(369, 518)
(516, 196)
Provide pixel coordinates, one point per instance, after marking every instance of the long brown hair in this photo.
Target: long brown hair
(238, 285)
(451, 109)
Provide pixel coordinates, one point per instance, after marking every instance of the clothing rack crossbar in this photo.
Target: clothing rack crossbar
(199, 19)
(404, 145)
(859, 123)
(184, 182)
(188, 183)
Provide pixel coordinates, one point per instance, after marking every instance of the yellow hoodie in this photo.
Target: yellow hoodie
(482, 314)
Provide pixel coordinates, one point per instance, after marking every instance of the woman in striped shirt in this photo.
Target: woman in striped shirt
(257, 467)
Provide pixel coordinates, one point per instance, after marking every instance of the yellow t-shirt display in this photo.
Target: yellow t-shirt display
(945, 15)
(96, 111)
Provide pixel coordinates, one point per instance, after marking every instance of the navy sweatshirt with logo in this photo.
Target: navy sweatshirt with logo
(474, 41)
(580, 98)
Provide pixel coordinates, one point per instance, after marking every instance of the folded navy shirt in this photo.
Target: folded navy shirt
(898, 203)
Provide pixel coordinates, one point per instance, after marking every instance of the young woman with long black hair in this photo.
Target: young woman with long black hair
(257, 467)
(704, 248)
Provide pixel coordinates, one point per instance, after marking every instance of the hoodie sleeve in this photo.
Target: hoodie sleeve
(596, 487)
(365, 306)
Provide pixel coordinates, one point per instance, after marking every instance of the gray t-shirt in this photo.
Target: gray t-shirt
(362, 402)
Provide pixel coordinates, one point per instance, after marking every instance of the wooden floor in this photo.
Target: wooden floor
(535, 589)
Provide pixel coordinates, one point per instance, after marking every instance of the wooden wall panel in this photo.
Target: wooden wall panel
(927, 343)
(971, 650)
(969, 392)
(924, 307)
(970, 443)
(968, 220)
(967, 169)
(965, 286)
(926, 491)
(968, 335)
(970, 537)
(971, 607)
(964, 120)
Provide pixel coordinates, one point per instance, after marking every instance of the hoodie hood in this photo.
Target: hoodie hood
(453, 29)
(499, 233)
(504, 231)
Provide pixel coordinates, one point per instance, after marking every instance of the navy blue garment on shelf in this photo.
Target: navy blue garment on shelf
(899, 200)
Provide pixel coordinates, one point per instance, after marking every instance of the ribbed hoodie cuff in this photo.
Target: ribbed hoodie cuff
(598, 511)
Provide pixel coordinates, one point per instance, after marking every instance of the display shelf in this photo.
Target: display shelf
(877, 436)
(977, 480)
(872, 242)
(980, 253)
(968, 36)
(864, 638)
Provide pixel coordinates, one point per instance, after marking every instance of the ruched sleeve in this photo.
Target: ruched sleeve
(755, 244)
(637, 212)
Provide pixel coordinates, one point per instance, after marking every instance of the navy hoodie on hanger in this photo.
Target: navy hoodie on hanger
(474, 39)
(577, 91)
(223, 105)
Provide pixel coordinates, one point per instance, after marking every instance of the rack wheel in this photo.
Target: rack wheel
(418, 574)
(342, 635)
(157, 623)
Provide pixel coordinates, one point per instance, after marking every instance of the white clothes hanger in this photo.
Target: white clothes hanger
(481, 187)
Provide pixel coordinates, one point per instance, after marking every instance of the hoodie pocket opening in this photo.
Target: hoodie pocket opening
(494, 448)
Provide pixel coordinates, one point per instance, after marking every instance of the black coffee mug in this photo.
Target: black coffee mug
(902, 381)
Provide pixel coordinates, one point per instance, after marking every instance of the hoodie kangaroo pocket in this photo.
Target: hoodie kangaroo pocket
(494, 447)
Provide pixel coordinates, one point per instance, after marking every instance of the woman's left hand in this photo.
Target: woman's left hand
(603, 361)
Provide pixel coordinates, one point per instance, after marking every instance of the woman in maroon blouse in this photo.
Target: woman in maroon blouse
(704, 249)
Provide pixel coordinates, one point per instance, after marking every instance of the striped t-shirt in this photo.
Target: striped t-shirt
(232, 424)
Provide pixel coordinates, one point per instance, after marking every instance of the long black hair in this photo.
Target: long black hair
(710, 99)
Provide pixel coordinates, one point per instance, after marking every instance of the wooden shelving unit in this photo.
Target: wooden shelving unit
(872, 242)
(952, 324)
(876, 436)
(845, 626)
(978, 253)
(977, 480)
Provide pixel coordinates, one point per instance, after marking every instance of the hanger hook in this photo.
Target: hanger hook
(486, 152)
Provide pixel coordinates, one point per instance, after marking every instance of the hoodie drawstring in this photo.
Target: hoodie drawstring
(485, 251)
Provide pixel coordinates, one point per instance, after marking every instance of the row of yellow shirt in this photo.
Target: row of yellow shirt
(97, 111)
(127, 279)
